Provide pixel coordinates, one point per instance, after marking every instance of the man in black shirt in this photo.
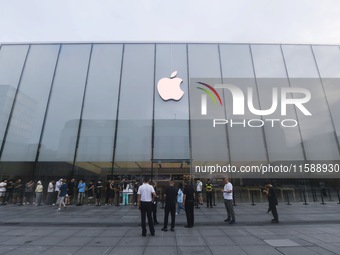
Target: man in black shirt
(188, 202)
(170, 206)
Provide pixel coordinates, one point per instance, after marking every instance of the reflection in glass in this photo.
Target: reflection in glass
(328, 62)
(171, 124)
(282, 143)
(100, 106)
(62, 121)
(207, 143)
(28, 114)
(246, 143)
(317, 130)
(12, 58)
(136, 104)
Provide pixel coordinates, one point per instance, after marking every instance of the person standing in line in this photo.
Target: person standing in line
(81, 192)
(56, 191)
(62, 194)
(3, 185)
(199, 188)
(9, 191)
(135, 190)
(272, 200)
(70, 191)
(189, 202)
(170, 206)
(90, 193)
(125, 192)
(28, 191)
(17, 192)
(179, 198)
(98, 190)
(38, 193)
(111, 192)
(154, 204)
(50, 192)
(209, 191)
(107, 191)
(145, 196)
(228, 201)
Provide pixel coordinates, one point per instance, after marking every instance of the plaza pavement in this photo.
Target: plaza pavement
(303, 229)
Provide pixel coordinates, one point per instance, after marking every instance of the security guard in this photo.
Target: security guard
(209, 191)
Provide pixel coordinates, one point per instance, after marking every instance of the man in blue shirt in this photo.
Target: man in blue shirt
(81, 192)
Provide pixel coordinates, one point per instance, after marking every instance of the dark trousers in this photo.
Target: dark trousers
(228, 203)
(146, 211)
(154, 211)
(169, 209)
(272, 207)
(209, 199)
(189, 211)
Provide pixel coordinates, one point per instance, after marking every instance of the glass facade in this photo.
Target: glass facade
(94, 109)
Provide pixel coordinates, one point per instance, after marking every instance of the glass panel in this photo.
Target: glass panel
(136, 104)
(328, 61)
(282, 143)
(317, 130)
(246, 143)
(100, 105)
(171, 129)
(207, 143)
(29, 110)
(61, 128)
(12, 58)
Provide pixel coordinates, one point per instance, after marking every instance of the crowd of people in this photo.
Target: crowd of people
(125, 192)
(17, 192)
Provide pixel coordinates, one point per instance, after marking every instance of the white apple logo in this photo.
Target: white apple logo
(169, 88)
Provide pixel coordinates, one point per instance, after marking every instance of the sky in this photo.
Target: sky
(254, 21)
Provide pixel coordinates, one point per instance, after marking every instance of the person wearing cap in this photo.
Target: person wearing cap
(38, 193)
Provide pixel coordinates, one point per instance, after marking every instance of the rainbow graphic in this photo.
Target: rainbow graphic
(211, 89)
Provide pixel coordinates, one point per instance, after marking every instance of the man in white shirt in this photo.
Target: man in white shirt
(145, 197)
(56, 189)
(199, 186)
(228, 201)
(3, 185)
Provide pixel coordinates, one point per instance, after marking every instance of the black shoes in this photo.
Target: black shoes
(187, 226)
(232, 222)
(156, 223)
(227, 219)
(164, 229)
(274, 221)
(172, 229)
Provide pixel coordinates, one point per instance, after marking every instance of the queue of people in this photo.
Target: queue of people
(37, 193)
(125, 192)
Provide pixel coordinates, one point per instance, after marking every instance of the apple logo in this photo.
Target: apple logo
(169, 88)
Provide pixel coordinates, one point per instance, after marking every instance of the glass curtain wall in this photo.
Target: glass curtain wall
(94, 110)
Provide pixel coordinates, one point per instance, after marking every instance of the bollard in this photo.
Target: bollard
(252, 199)
(304, 198)
(287, 195)
(323, 202)
(337, 191)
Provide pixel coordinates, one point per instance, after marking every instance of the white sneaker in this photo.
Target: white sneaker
(58, 210)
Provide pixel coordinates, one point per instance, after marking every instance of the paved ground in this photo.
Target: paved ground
(303, 229)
